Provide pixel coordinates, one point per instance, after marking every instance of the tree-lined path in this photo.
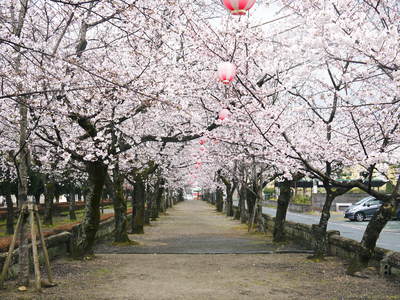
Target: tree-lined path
(147, 99)
(195, 227)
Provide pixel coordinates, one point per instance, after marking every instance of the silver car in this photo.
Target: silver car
(363, 209)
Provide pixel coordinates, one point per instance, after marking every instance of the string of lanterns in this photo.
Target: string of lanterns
(226, 70)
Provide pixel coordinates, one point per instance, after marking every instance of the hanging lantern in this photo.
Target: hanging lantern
(215, 141)
(226, 72)
(223, 114)
(238, 7)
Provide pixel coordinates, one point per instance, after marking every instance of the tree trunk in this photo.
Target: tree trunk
(283, 203)
(154, 210)
(86, 234)
(159, 196)
(23, 166)
(236, 215)
(147, 213)
(207, 198)
(370, 237)
(79, 194)
(219, 200)
(10, 211)
(171, 196)
(172, 199)
(251, 198)
(212, 198)
(36, 196)
(49, 190)
(149, 202)
(168, 199)
(256, 216)
(139, 195)
(319, 231)
(104, 196)
(180, 197)
(71, 208)
(228, 207)
(242, 204)
(163, 201)
(229, 200)
(116, 191)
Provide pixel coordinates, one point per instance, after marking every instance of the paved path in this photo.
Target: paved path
(125, 272)
(194, 227)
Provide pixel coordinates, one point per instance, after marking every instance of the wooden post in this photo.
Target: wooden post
(34, 247)
(4, 273)
(35, 224)
(45, 252)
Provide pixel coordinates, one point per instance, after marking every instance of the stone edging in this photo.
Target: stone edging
(388, 261)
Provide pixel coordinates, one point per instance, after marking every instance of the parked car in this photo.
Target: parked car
(365, 209)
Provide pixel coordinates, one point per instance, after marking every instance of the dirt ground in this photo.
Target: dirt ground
(121, 273)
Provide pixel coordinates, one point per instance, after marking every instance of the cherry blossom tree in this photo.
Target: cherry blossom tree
(126, 90)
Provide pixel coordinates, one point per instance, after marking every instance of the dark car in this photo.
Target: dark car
(365, 209)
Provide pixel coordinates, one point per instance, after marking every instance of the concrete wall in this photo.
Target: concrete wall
(318, 199)
(292, 206)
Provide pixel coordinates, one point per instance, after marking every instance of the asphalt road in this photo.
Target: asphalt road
(389, 238)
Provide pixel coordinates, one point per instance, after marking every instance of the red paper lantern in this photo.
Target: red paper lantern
(238, 7)
(226, 72)
(215, 141)
(223, 114)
